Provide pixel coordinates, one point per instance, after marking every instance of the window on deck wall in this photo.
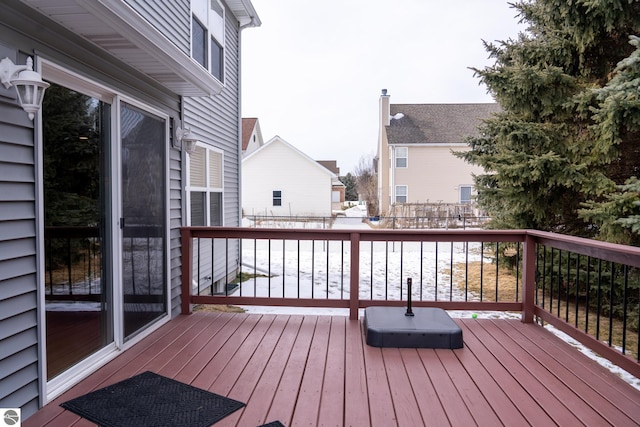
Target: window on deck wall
(401, 193)
(207, 35)
(205, 187)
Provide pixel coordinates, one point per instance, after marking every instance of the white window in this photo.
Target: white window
(401, 193)
(205, 188)
(402, 157)
(465, 193)
(207, 35)
(335, 197)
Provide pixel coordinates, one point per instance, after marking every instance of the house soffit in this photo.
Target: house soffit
(118, 29)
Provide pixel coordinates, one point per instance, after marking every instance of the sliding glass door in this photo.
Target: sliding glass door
(78, 269)
(104, 170)
(143, 221)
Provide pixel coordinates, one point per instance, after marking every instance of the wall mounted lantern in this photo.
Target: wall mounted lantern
(187, 141)
(28, 83)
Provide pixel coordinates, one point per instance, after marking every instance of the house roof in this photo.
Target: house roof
(277, 139)
(248, 124)
(332, 165)
(435, 123)
(117, 28)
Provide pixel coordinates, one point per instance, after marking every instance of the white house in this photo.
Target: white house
(280, 180)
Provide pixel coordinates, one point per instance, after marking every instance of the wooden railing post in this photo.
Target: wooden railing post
(354, 288)
(186, 254)
(528, 278)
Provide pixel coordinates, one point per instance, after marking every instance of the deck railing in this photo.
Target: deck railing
(585, 288)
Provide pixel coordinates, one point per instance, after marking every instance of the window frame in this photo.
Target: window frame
(405, 195)
(275, 197)
(400, 157)
(213, 20)
(208, 189)
(460, 188)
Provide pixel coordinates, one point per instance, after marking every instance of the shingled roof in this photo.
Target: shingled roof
(247, 128)
(435, 123)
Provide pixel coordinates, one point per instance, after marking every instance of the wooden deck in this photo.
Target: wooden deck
(317, 370)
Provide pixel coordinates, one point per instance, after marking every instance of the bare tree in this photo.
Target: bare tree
(367, 183)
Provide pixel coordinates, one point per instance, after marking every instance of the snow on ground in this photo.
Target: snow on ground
(291, 264)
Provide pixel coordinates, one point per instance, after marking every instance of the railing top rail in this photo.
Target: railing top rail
(364, 235)
(623, 254)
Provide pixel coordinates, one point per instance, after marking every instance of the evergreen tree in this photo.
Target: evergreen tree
(350, 192)
(541, 155)
(617, 123)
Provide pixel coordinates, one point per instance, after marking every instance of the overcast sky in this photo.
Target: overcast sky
(314, 71)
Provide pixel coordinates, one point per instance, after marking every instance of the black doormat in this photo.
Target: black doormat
(273, 424)
(151, 400)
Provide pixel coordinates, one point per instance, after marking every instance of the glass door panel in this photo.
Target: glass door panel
(78, 280)
(143, 221)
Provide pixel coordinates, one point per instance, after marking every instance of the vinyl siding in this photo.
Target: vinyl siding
(306, 187)
(215, 121)
(434, 174)
(170, 17)
(18, 290)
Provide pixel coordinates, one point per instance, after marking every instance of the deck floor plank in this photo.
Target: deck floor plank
(254, 368)
(318, 370)
(356, 398)
(597, 376)
(427, 397)
(570, 369)
(381, 407)
(284, 401)
(560, 390)
(457, 411)
(263, 394)
(332, 400)
(402, 395)
(512, 390)
(308, 403)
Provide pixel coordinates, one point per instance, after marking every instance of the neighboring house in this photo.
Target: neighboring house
(415, 163)
(251, 135)
(280, 180)
(94, 190)
(338, 188)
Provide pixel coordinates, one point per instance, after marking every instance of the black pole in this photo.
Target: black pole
(409, 311)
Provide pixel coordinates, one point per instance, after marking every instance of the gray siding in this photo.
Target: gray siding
(18, 293)
(216, 122)
(171, 17)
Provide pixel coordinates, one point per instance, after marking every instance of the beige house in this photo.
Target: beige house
(415, 163)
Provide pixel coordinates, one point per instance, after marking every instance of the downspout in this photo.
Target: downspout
(253, 22)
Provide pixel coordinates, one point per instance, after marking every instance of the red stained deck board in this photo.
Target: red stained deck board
(264, 390)
(286, 394)
(404, 400)
(308, 403)
(427, 398)
(380, 402)
(535, 386)
(356, 399)
(570, 371)
(511, 394)
(457, 412)
(317, 370)
(332, 398)
(246, 382)
(560, 391)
